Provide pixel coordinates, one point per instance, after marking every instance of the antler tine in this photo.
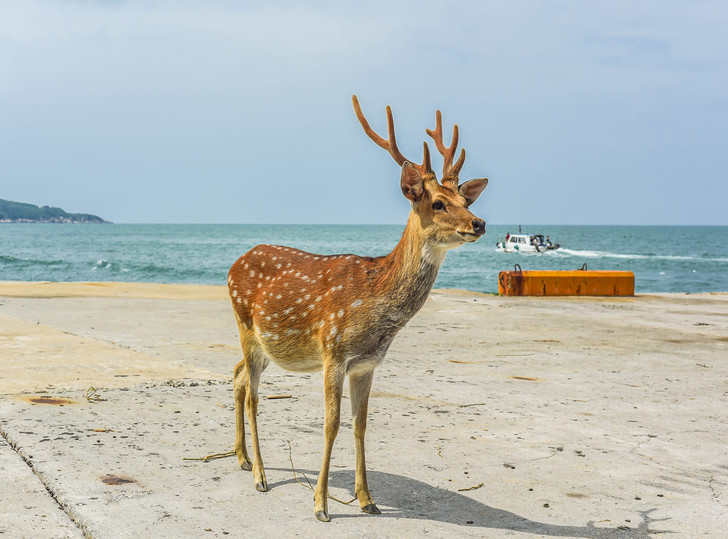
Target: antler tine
(389, 144)
(448, 153)
(426, 164)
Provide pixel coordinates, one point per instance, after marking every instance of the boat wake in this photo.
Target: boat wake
(627, 256)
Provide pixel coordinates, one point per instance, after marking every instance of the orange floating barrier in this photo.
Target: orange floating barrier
(580, 282)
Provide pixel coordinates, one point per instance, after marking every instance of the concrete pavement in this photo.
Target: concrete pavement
(560, 417)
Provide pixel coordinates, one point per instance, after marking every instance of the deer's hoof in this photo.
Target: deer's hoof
(245, 465)
(371, 509)
(323, 516)
(261, 487)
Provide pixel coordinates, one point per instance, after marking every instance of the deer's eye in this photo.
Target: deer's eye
(438, 205)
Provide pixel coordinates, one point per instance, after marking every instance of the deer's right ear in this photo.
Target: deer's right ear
(411, 182)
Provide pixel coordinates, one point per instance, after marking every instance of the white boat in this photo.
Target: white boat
(526, 243)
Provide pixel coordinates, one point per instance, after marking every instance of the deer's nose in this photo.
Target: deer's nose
(478, 227)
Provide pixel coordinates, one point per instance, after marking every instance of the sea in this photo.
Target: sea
(690, 259)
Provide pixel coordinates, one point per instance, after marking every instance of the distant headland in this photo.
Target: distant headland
(20, 212)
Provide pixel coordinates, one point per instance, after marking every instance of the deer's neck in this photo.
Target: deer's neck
(409, 272)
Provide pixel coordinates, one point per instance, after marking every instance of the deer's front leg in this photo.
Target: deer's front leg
(359, 387)
(333, 386)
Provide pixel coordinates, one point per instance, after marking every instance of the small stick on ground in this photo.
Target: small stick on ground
(92, 395)
(309, 486)
(213, 456)
(471, 488)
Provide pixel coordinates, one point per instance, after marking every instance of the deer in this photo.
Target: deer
(340, 313)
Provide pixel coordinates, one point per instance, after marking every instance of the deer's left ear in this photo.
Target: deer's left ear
(471, 189)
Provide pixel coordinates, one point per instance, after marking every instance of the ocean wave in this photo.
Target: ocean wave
(12, 260)
(102, 264)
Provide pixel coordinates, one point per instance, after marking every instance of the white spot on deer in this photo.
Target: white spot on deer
(288, 265)
(240, 300)
(278, 266)
(318, 298)
(306, 296)
(341, 313)
(293, 331)
(267, 277)
(356, 303)
(245, 301)
(267, 318)
(332, 316)
(274, 258)
(262, 264)
(279, 296)
(260, 275)
(315, 258)
(333, 330)
(235, 293)
(252, 273)
(260, 284)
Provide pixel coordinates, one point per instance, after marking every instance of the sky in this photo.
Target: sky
(600, 112)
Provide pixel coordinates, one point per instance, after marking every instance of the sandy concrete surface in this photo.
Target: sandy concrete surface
(490, 417)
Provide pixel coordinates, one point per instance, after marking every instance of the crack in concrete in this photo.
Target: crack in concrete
(28, 462)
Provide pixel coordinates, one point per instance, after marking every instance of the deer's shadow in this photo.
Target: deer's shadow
(402, 497)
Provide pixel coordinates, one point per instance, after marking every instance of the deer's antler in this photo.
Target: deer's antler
(450, 172)
(390, 144)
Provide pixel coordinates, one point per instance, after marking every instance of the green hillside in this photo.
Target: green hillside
(20, 212)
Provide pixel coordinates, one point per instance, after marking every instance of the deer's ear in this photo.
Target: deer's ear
(471, 189)
(411, 182)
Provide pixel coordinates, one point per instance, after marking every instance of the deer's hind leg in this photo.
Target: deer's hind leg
(245, 387)
(240, 382)
(255, 363)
